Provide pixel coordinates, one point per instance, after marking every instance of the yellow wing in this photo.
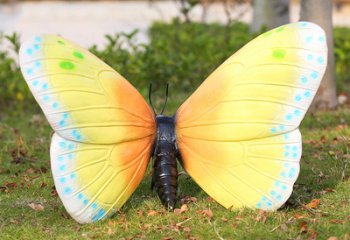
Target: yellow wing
(93, 181)
(104, 128)
(238, 133)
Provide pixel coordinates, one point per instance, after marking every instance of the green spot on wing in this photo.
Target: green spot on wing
(267, 34)
(67, 65)
(78, 55)
(279, 53)
(280, 28)
(61, 42)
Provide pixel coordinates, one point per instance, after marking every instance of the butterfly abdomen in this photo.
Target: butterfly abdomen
(164, 179)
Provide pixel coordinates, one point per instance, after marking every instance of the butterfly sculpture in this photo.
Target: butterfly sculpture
(237, 136)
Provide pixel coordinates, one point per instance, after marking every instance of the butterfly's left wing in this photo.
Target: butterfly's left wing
(104, 128)
(238, 133)
(94, 180)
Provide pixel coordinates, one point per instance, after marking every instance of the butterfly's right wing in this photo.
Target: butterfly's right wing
(238, 133)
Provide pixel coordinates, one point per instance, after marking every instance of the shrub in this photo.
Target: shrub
(13, 89)
(342, 58)
(181, 54)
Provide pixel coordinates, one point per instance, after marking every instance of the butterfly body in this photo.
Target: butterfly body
(164, 179)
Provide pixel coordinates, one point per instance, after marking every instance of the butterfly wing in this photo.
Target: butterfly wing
(238, 133)
(104, 128)
(95, 180)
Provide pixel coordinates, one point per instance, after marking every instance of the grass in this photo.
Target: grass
(25, 178)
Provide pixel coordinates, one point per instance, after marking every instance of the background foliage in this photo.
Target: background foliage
(181, 54)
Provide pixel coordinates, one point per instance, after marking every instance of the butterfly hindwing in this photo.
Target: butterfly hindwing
(104, 128)
(241, 125)
(93, 181)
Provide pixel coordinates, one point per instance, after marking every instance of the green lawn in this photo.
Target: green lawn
(25, 179)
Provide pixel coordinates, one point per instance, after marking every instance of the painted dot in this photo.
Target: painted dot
(73, 176)
(36, 46)
(287, 147)
(297, 112)
(269, 204)
(283, 174)
(70, 146)
(62, 167)
(67, 65)
(314, 75)
(70, 156)
(78, 55)
(67, 190)
(29, 71)
(35, 83)
(62, 123)
(295, 155)
(273, 193)
(297, 98)
(65, 115)
(37, 64)
(62, 179)
(279, 53)
(29, 51)
(61, 42)
(307, 94)
(286, 154)
(289, 117)
(279, 197)
(286, 165)
(302, 24)
(45, 86)
(303, 79)
(264, 199)
(267, 34)
(80, 196)
(295, 148)
(293, 170)
(308, 39)
(94, 206)
(55, 105)
(309, 57)
(78, 137)
(258, 205)
(320, 60)
(284, 187)
(277, 183)
(85, 201)
(273, 130)
(280, 29)
(282, 127)
(38, 39)
(321, 39)
(286, 136)
(75, 132)
(62, 144)
(60, 158)
(46, 98)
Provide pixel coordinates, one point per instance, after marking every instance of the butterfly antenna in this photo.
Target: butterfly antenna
(166, 98)
(150, 99)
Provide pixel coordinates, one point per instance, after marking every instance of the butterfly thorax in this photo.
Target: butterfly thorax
(164, 179)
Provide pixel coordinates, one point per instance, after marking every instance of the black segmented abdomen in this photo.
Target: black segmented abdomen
(164, 179)
(165, 174)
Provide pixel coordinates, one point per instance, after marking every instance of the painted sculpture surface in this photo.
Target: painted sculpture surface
(237, 136)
